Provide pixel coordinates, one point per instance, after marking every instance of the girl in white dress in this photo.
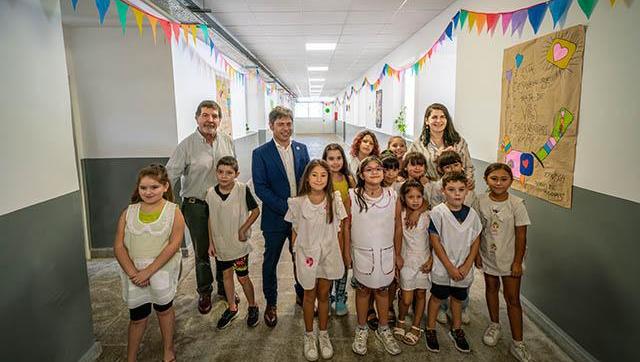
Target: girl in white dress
(503, 244)
(413, 259)
(372, 209)
(147, 246)
(316, 216)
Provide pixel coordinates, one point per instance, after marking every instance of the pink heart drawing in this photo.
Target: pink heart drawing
(559, 52)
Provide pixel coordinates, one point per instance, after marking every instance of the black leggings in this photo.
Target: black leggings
(143, 311)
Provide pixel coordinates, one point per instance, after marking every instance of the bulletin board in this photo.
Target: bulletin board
(223, 97)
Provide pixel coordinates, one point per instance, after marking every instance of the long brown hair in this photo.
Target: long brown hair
(305, 188)
(158, 173)
(357, 140)
(359, 189)
(345, 166)
(450, 136)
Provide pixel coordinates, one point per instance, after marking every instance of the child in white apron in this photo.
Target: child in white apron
(316, 217)
(147, 246)
(502, 250)
(373, 211)
(454, 232)
(415, 262)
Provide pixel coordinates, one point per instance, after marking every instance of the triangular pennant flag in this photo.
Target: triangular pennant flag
(463, 18)
(122, 14)
(558, 10)
(429, 53)
(506, 20)
(176, 31)
(194, 33)
(205, 33)
(166, 28)
(613, 2)
(154, 22)
(492, 21)
(449, 30)
(518, 20)
(442, 38)
(536, 14)
(74, 3)
(472, 20)
(103, 6)
(139, 18)
(481, 19)
(455, 19)
(587, 6)
(185, 32)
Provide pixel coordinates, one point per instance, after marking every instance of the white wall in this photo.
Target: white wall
(238, 107)
(314, 125)
(36, 136)
(606, 158)
(193, 81)
(126, 105)
(255, 103)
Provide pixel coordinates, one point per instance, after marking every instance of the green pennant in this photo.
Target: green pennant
(463, 18)
(122, 13)
(587, 6)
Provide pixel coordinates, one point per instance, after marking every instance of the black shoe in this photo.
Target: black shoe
(253, 316)
(432, 340)
(204, 303)
(372, 320)
(460, 342)
(226, 318)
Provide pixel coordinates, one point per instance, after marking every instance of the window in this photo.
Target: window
(308, 110)
(409, 100)
(301, 110)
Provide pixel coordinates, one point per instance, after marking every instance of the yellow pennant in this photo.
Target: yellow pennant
(613, 2)
(139, 16)
(471, 20)
(153, 21)
(194, 33)
(185, 31)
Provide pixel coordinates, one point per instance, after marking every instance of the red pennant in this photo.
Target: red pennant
(166, 28)
(429, 53)
(176, 31)
(492, 21)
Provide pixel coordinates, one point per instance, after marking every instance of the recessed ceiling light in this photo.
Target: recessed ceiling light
(316, 79)
(320, 46)
(317, 68)
(316, 85)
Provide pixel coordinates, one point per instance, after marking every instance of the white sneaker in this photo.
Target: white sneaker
(519, 351)
(359, 345)
(310, 347)
(326, 349)
(388, 341)
(442, 317)
(491, 334)
(465, 317)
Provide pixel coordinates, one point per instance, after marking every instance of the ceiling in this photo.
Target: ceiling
(364, 30)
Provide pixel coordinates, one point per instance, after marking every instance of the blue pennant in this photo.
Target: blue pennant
(74, 3)
(103, 6)
(449, 30)
(536, 14)
(559, 9)
(455, 19)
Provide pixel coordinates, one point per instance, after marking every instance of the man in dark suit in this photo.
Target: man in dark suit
(276, 168)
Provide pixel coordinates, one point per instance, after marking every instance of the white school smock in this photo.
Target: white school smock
(144, 242)
(498, 239)
(372, 249)
(354, 164)
(433, 193)
(317, 251)
(456, 238)
(415, 252)
(225, 219)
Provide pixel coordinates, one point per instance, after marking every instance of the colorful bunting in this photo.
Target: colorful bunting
(205, 33)
(472, 20)
(153, 22)
(481, 19)
(185, 32)
(175, 27)
(558, 10)
(463, 17)
(122, 14)
(517, 21)
(194, 33)
(166, 28)
(449, 30)
(139, 18)
(455, 19)
(536, 14)
(103, 6)
(506, 20)
(587, 6)
(492, 21)
(74, 3)
(613, 2)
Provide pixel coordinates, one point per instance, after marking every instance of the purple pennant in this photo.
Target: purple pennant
(508, 74)
(441, 39)
(517, 21)
(103, 6)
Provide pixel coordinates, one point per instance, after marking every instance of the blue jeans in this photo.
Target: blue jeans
(273, 244)
(339, 289)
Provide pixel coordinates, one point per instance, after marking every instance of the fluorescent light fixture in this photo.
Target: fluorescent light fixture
(316, 79)
(317, 68)
(316, 85)
(320, 46)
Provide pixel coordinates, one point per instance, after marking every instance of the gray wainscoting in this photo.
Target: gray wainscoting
(45, 306)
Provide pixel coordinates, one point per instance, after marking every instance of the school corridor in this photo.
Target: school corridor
(93, 91)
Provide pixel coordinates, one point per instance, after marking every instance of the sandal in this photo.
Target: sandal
(372, 319)
(412, 336)
(398, 331)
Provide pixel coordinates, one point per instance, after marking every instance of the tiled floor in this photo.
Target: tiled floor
(198, 340)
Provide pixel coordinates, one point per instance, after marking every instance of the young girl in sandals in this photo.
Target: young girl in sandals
(147, 246)
(413, 260)
(372, 208)
(503, 243)
(316, 216)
